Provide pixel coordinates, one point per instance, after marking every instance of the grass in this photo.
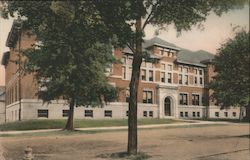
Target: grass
(79, 132)
(228, 120)
(85, 123)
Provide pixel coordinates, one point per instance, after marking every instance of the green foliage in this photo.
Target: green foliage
(73, 53)
(79, 123)
(231, 84)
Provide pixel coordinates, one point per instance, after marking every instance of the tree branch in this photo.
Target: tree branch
(148, 19)
(129, 46)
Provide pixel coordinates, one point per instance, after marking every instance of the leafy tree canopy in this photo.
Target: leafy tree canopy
(231, 84)
(74, 50)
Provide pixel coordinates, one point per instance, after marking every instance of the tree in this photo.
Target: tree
(231, 83)
(72, 53)
(130, 20)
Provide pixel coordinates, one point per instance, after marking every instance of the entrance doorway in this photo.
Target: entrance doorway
(167, 106)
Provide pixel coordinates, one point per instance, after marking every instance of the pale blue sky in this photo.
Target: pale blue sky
(216, 31)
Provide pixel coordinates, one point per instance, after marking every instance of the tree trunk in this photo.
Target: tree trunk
(70, 122)
(134, 83)
(241, 114)
(247, 115)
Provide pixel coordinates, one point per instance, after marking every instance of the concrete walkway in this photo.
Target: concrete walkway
(192, 123)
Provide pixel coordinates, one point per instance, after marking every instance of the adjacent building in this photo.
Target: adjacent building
(2, 104)
(176, 86)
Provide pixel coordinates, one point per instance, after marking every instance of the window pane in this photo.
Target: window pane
(185, 70)
(107, 113)
(124, 60)
(200, 72)
(163, 66)
(162, 76)
(143, 64)
(186, 79)
(43, 113)
(123, 72)
(180, 69)
(130, 61)
(143, 75)
(169, 78)
(180, 79)
(169, 67)
(151, 76)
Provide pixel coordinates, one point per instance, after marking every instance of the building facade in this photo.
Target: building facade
(175, 86)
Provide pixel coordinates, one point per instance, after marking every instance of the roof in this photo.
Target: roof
(185, 56)
(159, 42)
(13, 34)
(193, 57)
(5, 58)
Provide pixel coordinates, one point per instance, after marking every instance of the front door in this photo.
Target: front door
(167, 106)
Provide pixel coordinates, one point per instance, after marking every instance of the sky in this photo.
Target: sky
(216, 31)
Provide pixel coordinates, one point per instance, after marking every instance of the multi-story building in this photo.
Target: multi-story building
(173, 87)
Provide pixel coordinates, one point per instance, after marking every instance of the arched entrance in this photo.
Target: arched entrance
(167, 106)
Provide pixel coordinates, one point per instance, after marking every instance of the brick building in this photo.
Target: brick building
(174, 87)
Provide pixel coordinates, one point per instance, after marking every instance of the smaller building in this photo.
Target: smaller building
(2, 104)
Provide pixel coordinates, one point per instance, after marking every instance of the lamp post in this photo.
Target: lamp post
(19, 24)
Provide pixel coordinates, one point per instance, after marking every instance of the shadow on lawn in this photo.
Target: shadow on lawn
(124, 155)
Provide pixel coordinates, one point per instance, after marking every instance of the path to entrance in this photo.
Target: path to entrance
(205, 142)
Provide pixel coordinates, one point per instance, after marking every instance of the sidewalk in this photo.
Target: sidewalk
(192, 122)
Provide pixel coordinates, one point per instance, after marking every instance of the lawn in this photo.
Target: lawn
(57, 124)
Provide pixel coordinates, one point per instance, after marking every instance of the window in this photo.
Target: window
(150, 65)
(145, 113)
(162, 76)
(88, 113)
(147, 97)
(180, 78)
(129, 73)
(151, 78)
(217, 114)
(201, 80)
(195, 99)
(65, 113)
(194, 114)
(163, 66)
(143, 74)
(185, 69)
(225, 114)
(169, 78)
(200, 72)
(186, 79)
(180, 69)
(43, 113)
(129, 61)
(143, 64)
(195, 71)
(183, 99)
(198, 114)
(195, 80)
(186, 114)
(123, 60)
(169, 67)
(124, 72)
(107, 113)
(127, 95)
(151, 114)
(234, 114)
(181, 114)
